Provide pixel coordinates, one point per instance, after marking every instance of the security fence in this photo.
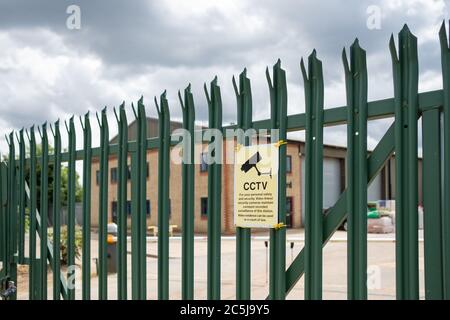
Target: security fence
(28, 177)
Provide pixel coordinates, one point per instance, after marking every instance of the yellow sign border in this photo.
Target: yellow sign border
(274, 161)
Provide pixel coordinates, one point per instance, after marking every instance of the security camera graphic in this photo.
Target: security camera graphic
(251, 163)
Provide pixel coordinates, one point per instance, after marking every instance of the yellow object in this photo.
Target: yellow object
(256, 186)
(280, 143)
(111, 239)
(279, 226)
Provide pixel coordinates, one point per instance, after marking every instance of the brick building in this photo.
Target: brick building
(334, 183)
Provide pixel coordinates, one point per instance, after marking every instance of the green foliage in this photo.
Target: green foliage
(63, 243)
(64, 181)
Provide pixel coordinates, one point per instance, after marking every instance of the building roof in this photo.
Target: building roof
(152, 129)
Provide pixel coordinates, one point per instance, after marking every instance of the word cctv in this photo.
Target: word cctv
(255, 185)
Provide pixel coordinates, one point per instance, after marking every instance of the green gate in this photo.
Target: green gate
(23, 191)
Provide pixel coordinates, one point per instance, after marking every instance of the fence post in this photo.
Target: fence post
(278, 118)
(11, 215)
(103, 206)
(138, 222)
(356, 85)
(433, 232)
(44, 210)
(71, 212)
(314, 177)
(163, 197)
(87, 167)
(21, 193)
(214, 192)
(3, 226)
(445, 61)
(57, 213)
(405, 70)
(3, 231)
(188, 190)
(34, 284)
(122, 155)
(243, 235)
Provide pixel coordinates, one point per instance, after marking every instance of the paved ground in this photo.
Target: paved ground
(381, 263)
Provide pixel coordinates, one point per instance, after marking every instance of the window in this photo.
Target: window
(289, 211)
(148, 207)
(113, 175)
(288, 164)
(114, 211)
(170, 208)
(203, 164)
(129, 173)
(204, 207)
(129, 208)
(289, 204)
(97, 176)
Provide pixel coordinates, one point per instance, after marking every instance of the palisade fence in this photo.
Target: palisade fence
(19, 185)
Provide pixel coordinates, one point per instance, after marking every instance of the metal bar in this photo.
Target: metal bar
(243, 240)
(356, 84)
(278, 114)
(34, 292)
(122, 204)
(86, 252)
(11, 216)
(445, 61)
(142, 180)
(57, 214)
(214, 191)
(3, 226)
(135, 266)
(313, 176)
(431, 186)
(44, 211)
(188, 191)
(21, 196)
(378, 109)
(163, 200)
(405, 70)
(49, 255)
(103, 208)
(338, 213)
(71, 211)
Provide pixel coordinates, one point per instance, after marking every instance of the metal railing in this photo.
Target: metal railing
(20, 183)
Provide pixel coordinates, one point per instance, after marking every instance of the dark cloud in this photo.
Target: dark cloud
(126, 49)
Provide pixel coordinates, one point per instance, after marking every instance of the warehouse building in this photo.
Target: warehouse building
(383, 187)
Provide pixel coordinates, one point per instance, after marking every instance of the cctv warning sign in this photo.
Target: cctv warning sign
(256, 186)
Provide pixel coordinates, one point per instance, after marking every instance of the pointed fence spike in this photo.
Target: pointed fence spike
(205, 88)
(181, 100)
(236, 90)
(134, 111)
(269, 80)
(303, 69)
(117, 117)
(393, 49)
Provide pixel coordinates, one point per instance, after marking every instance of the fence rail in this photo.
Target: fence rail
(27, 177)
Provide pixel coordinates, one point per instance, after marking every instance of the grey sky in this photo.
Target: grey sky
(126, 49)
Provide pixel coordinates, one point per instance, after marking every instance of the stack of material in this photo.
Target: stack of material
(384, 224)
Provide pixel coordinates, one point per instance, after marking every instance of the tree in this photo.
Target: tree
(64, 181)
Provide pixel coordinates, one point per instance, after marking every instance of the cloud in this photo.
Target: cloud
(128, 49)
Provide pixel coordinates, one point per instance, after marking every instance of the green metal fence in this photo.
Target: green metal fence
(20, 186)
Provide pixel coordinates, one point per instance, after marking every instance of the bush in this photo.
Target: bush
(63, 243)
